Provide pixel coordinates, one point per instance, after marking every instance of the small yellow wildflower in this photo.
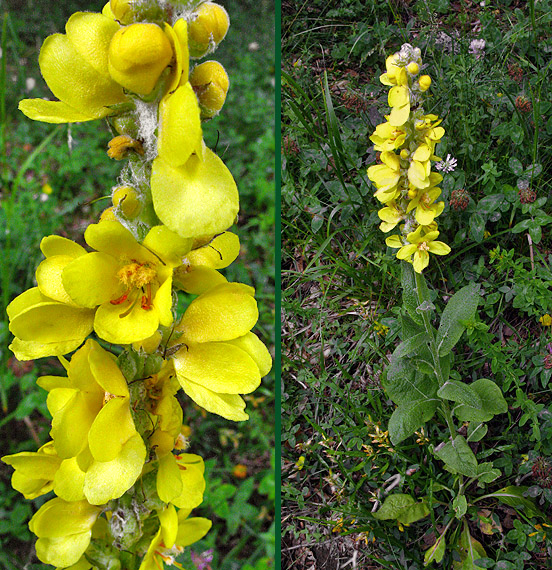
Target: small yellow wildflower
(546, 320)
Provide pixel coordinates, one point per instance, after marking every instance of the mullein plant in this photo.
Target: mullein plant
(119, 460)
(417, 378)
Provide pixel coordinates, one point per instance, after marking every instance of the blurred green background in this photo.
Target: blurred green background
(57, 179)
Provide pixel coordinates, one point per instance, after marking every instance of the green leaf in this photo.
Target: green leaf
(409, 417)
(492, 401)
(436, 552)
(515, 166)
(477, 227)
(516, 133)
(460, 308)
(404, 384)
(402, 508)
(458, 456)
(459, 392)
(411, 345)
(460, 506)
(513, 497)
(470, 551)
(393, 505)
(476, 431)
(486, 473)
(490, 204)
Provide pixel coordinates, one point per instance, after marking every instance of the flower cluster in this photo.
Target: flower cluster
(405, 184)
(117, 460)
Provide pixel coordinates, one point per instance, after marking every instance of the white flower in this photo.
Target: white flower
(447, 165)
(477, 48)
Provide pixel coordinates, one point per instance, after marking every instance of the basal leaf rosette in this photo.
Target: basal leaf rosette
(220, 358)
(45, 320)
(92, 428)
(64, 530)
(75, 67)
(176, 531)
(129, 282)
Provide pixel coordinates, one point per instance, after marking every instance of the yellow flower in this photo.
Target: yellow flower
(75, 67)
(386, 177)
(220, 358)
(391, 216)
(92, 428)
(419, 246)
(34, 472)
(395, 75)
(546, 320)
(64, 530)
(426, 207)
(386, 137)
(45, 320)
(176, 531)
(129, 282)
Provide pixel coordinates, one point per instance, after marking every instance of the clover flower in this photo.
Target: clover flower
(447, 165)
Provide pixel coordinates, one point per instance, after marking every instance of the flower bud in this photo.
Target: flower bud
(208, 29)
(413, 68)
(122, 10)
(210, 83)
(126, 199)
(412, 193)
(425, 82)
(108, 215)
(119, 147)
(405, 153)
(138, 54)
(125, 125)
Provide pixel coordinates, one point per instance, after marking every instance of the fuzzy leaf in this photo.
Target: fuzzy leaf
(486, 473)
(404, 384)
(458, 456)
(492, 401)
(410, 294)
(409, 417)
(476, 431)
(461, 393)
(460, 506)
(460, 308)
(470, 551)
(402, 508)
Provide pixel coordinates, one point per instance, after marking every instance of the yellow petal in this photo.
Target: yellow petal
(218, 366)
(229, 406)
(52, 322)
(114, 325)
(69, 481)
(181, 30)
(64, 551)
(199, 198)
(192, 530)
(112, 428)
(163, 301)
(219, 253)
(406, 251)
(169, 482)
(399, 115)
(109, 480)
(394, 241)
(56, 112)
(421, 260)
(169, 246)
(439, 248)
(180, 132)
(88, 91)
(105, 371)
(199, 280)
(256, 349)
(398, 96)
(169, 525)
(91, 33)
(49, 278)
(57, 245)
(191, 469)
